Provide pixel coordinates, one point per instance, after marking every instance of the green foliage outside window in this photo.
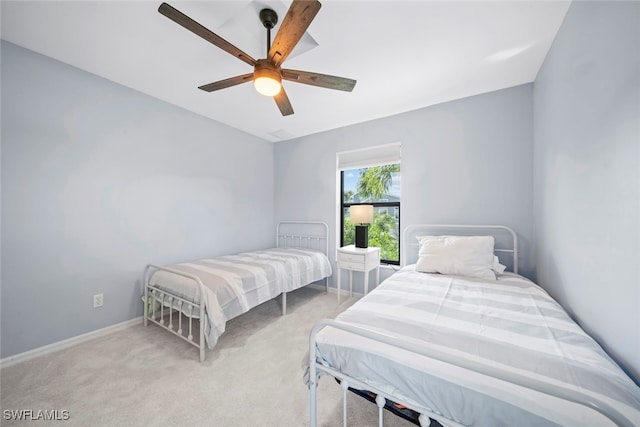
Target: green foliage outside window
(373, 184)
(349, 236)
(381, 234)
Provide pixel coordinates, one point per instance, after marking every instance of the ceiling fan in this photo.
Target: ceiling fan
(267, 73)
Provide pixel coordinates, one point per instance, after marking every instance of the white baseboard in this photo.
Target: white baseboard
(343, 292)
(318, 286)
(60, 345)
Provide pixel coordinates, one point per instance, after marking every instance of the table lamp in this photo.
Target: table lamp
(362, 216)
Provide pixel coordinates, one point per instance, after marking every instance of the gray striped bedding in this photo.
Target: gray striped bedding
(236, 283)
(510, 323)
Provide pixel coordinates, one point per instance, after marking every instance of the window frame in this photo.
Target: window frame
(375, 205)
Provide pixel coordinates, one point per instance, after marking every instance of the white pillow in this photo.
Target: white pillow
(470, 256)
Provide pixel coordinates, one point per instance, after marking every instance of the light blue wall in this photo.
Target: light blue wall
(587, 180)
(465, 161)
(99, 180)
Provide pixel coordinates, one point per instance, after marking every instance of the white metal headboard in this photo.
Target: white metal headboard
(506, 240)
(303, 234)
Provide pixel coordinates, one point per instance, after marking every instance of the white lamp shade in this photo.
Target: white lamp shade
(361, 214)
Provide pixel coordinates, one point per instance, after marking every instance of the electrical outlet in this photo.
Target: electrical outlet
(98, 300)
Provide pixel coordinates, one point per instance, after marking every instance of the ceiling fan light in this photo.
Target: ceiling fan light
(267, 86)
(267, 81)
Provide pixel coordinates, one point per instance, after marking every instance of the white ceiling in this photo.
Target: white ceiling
(405, 55)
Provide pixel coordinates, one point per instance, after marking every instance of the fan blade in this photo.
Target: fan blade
(191, 25)
(294, 24)
(282, 100)
(320, 80)
(227, 82)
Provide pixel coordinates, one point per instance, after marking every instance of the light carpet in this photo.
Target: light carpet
(144, 376)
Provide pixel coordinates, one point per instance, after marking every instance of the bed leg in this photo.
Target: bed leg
(284, 303)
(203, 345)
(313, 387)
(380, 401)
(313, 379)
(345, 388)
(145, 305)
(326, 284)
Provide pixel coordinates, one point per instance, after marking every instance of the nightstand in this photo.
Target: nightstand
(358, 259)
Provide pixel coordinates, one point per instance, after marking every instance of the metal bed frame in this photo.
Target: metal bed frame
(410, 253)
(166, 313)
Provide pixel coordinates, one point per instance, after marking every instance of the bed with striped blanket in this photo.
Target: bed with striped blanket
(195, 299)
(233, 284)
(468, 351)
(510, 323)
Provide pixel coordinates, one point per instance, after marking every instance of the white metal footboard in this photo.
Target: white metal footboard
(163, 296)
(391, 339)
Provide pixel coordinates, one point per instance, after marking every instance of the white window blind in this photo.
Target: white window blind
(367, 157)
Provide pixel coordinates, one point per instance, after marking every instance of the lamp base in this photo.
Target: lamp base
(362, 236)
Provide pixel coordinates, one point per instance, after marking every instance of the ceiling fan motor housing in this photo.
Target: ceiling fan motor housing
(264, 68)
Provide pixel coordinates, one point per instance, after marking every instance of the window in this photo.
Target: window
(379, 186)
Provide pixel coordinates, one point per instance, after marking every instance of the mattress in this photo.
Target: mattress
(233, 284)
(510, 324)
